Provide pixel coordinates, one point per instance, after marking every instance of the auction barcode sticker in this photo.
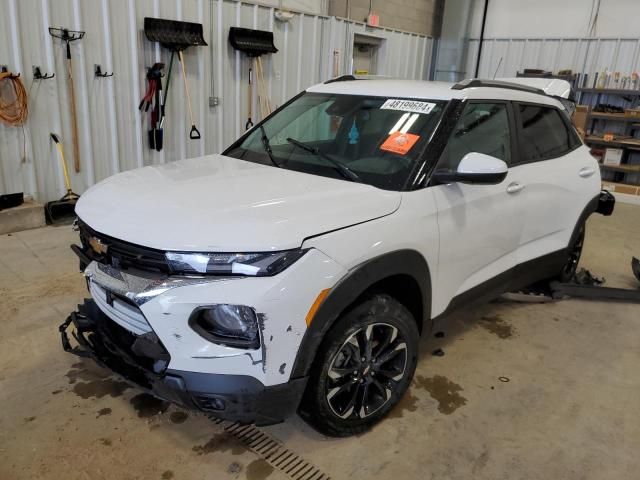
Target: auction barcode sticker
(408, 106)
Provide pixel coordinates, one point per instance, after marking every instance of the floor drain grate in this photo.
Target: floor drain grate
(273, 451)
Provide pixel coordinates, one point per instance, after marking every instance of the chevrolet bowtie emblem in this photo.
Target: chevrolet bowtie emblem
(98, 246)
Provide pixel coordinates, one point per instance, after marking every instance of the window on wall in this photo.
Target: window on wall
(545, 134)
(482, 128)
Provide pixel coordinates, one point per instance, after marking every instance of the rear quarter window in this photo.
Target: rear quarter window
(544, 134)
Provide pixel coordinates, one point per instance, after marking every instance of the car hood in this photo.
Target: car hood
(218, 203)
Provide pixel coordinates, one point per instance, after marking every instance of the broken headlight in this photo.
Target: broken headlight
(232, 325)
(252, 264)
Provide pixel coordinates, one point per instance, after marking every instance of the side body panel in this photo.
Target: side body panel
(414, 226)
(480, 228)
(556, 191)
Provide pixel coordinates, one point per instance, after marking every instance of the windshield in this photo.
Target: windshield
(373, 140)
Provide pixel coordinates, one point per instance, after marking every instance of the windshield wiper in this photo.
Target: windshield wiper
(345, 171)
(267, 146)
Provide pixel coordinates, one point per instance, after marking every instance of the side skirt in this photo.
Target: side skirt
(515, 278)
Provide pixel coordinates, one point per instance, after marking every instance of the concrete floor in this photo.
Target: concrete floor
(523, 391)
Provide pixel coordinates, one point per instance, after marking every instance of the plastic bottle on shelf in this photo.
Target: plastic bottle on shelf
(602, 80)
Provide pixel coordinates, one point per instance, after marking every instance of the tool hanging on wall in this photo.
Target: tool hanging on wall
(63, 210)
(14, 104)
(177, 37)
(249, 123)
(154, 93)
(69, 36)
(254, 43)
(194, 133)
(166, 90)
(263, 96)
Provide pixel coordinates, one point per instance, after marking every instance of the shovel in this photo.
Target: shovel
(176, 36)
(254, 43)
(63, 210)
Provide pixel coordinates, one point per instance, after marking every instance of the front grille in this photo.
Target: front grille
(120, 311)
(120, 254)
(137, 358)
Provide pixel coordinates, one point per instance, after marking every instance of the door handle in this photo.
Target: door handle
(586, 172)
(514, 187)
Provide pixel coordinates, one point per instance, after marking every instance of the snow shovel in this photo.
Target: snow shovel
(253, 43)
(63, 210)
(172, 34)
(177, 36)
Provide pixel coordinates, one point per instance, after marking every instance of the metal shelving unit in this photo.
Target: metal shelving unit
(618, 117)
(611, 91)
(626, 176)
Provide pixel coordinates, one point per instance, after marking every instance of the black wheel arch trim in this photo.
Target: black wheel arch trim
(590, 208)
(356, 282)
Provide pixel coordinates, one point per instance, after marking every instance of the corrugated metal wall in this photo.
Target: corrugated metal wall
(503, 57)
(112, 131)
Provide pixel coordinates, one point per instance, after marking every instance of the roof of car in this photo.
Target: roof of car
(391, 87)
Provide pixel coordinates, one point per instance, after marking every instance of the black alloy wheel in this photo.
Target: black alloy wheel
(365, 371)
(363, 367)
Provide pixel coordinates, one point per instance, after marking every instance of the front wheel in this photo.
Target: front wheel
(363, 368)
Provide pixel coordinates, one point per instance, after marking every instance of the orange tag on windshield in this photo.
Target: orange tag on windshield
(399, 143)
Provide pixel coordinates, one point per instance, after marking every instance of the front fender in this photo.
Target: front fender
(356, 282)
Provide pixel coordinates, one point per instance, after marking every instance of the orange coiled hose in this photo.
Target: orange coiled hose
(14, 107)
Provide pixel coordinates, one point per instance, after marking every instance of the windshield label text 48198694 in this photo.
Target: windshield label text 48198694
(408, 106)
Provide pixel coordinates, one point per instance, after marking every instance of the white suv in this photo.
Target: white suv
(297, 270)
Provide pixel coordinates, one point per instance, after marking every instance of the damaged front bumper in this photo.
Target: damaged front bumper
(143, 360)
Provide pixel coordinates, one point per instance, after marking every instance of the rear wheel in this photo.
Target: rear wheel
(363, 367)
(575, 252)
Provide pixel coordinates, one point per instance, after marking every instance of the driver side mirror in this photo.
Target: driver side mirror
(475, 168)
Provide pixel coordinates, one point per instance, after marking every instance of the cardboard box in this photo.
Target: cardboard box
(579, 119)
(612, 156)
(621, 188)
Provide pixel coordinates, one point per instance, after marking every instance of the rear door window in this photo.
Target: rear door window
(543, 133)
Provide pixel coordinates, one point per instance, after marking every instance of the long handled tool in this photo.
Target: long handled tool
(154, 94)
(176, 36)
(69, 36)
(166, 91)
(194, 134)
(249, 123)
(263, 97)
(63, 210)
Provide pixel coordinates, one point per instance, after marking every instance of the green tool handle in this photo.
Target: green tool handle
(166, 88)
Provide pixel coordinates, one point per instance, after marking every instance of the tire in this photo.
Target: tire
(575, 252)
(370, 354)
